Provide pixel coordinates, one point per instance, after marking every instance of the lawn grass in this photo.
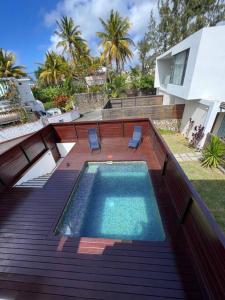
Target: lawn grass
(210, 184)
(177, 143)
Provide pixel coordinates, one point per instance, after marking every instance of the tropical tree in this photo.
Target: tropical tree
(143, 47)
(179, 19)
(8, 67)
(115, 40)
(54, 69)
(70, 39)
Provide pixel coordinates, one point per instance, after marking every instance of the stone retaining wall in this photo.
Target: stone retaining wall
(171, 124)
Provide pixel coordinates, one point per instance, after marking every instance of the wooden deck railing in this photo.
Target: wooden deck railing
(205, 239)
(15, 161)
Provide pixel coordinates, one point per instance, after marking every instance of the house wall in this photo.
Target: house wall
(202, 112)
(64, 148)
(23, 86)
(209, 73)
(182, 91)
(196, 111)
(204, 77)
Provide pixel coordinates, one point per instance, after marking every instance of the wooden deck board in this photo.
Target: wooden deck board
(89, 268)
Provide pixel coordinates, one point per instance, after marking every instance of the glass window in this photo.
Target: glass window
(221, 131)
(178, 67)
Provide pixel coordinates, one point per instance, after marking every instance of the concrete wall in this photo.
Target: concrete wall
(209, 73)
(19, 130)
(23, 129)
(23, 86)
(64, 148)
(203, 113)
(46, 164)
(88, 101)
(197, 113)
(66, 117)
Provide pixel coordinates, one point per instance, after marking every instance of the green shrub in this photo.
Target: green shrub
(214, 153)
(95, 88)
(68, 106)
(68, 88)
(61, 101)
(47, 94)
(48, 105)
(166, 131)
(117, 87)
(146, 82)
(75, 88)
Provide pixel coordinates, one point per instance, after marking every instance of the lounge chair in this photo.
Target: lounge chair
(136, 138)
(93, 139)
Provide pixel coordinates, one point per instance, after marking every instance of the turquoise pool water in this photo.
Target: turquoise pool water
(113, 200)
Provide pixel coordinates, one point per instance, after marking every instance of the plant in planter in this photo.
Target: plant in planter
(214, 153)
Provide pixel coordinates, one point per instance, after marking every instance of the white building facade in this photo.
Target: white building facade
(193, 73)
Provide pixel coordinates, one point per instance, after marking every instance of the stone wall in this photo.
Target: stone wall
(88, 101)
(171, 124)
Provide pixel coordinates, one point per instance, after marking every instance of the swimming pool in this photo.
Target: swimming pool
(113, 200)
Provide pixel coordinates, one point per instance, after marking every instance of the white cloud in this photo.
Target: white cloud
(86, 13)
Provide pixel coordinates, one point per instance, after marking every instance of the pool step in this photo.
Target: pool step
(74, 216)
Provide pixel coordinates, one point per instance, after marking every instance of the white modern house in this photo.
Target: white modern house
(193, 73)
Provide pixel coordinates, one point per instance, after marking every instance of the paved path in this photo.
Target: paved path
(190, 156)
(94, 115)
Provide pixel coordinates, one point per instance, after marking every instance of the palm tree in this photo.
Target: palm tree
(70, 38)
(8, 67)
(54, 69)
(115, 40)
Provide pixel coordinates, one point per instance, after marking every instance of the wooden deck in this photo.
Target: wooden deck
(35, 264)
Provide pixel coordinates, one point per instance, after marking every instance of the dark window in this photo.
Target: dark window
(178, 67)
(221, 131)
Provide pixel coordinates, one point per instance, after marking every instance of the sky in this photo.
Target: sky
(27, 26)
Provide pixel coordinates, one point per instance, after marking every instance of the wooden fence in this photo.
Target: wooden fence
(134, 101)
(154, 112)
